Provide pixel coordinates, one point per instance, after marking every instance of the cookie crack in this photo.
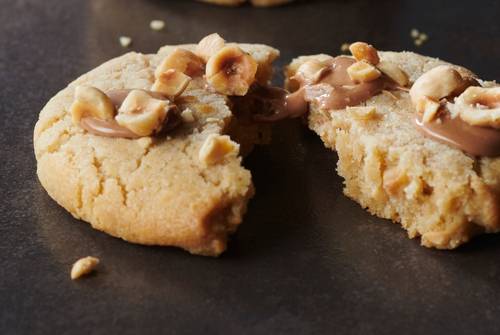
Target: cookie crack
(49, 124)
(140, 161)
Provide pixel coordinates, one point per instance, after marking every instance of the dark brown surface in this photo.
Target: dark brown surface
(306, 260)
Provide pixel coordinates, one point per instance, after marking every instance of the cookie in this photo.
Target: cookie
(166, 170)
(258, 3)
(398, 122)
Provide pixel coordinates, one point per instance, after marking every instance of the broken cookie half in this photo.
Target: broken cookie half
(418, 139)
(148, 147)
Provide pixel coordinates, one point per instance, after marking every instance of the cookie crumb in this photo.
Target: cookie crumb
(418, 37)
(83, 266)
(157, 25)
(344, 47)
(187, 115)
(125, 41)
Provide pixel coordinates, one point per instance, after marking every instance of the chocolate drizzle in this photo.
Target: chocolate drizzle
(106, 128)
(267, 104)
(476, 141)
(112, 128)
(331, 88)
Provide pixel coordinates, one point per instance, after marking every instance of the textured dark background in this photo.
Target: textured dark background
(306, 260)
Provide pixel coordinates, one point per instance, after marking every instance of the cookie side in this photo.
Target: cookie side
(434, 191)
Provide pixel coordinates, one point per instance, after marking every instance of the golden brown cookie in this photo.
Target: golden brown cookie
(443, 193)
(185, 188)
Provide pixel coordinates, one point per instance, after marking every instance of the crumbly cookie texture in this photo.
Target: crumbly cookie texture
(150, 190)
(435, 191)
(258, 3)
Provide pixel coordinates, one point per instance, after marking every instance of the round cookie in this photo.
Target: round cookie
(150, 190)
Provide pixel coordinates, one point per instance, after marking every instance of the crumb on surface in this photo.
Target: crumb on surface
(418, 37)
(83, 266)
(125, 41)
(157, 25)
(344, 47)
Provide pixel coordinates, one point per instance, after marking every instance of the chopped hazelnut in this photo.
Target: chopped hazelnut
(183, 61)
(479, 106)
(428, 107)
(394, 72)
(83, 266)
(216, 148)
(157, 25)
(231, 71)
(142, 114)
(171, 83)
(363, 72)
(437, 83)
(364, 52)
(125, 41)
(209, 46)
(90, 101)
(187, 115)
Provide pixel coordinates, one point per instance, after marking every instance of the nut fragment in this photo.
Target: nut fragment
(345, 47)
(171, 83)
(183, 61)
(216, 148)
(125, 41)
(142, 114)
(307, 72)
(363, 112)
(364, 51)
(428, 108)
(83, 266)
(394, 180)
(479, 106)
(90, 101)
(394, 72)
(187, 115)
(157, 25)
(438, 83)
(209, 46)
(231, 71)
(363, 72)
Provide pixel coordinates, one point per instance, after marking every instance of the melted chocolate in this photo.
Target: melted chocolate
(106, 128)
(476, 141)
(267, 104)
(332, 88)
(344, 91)
(112, 128)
